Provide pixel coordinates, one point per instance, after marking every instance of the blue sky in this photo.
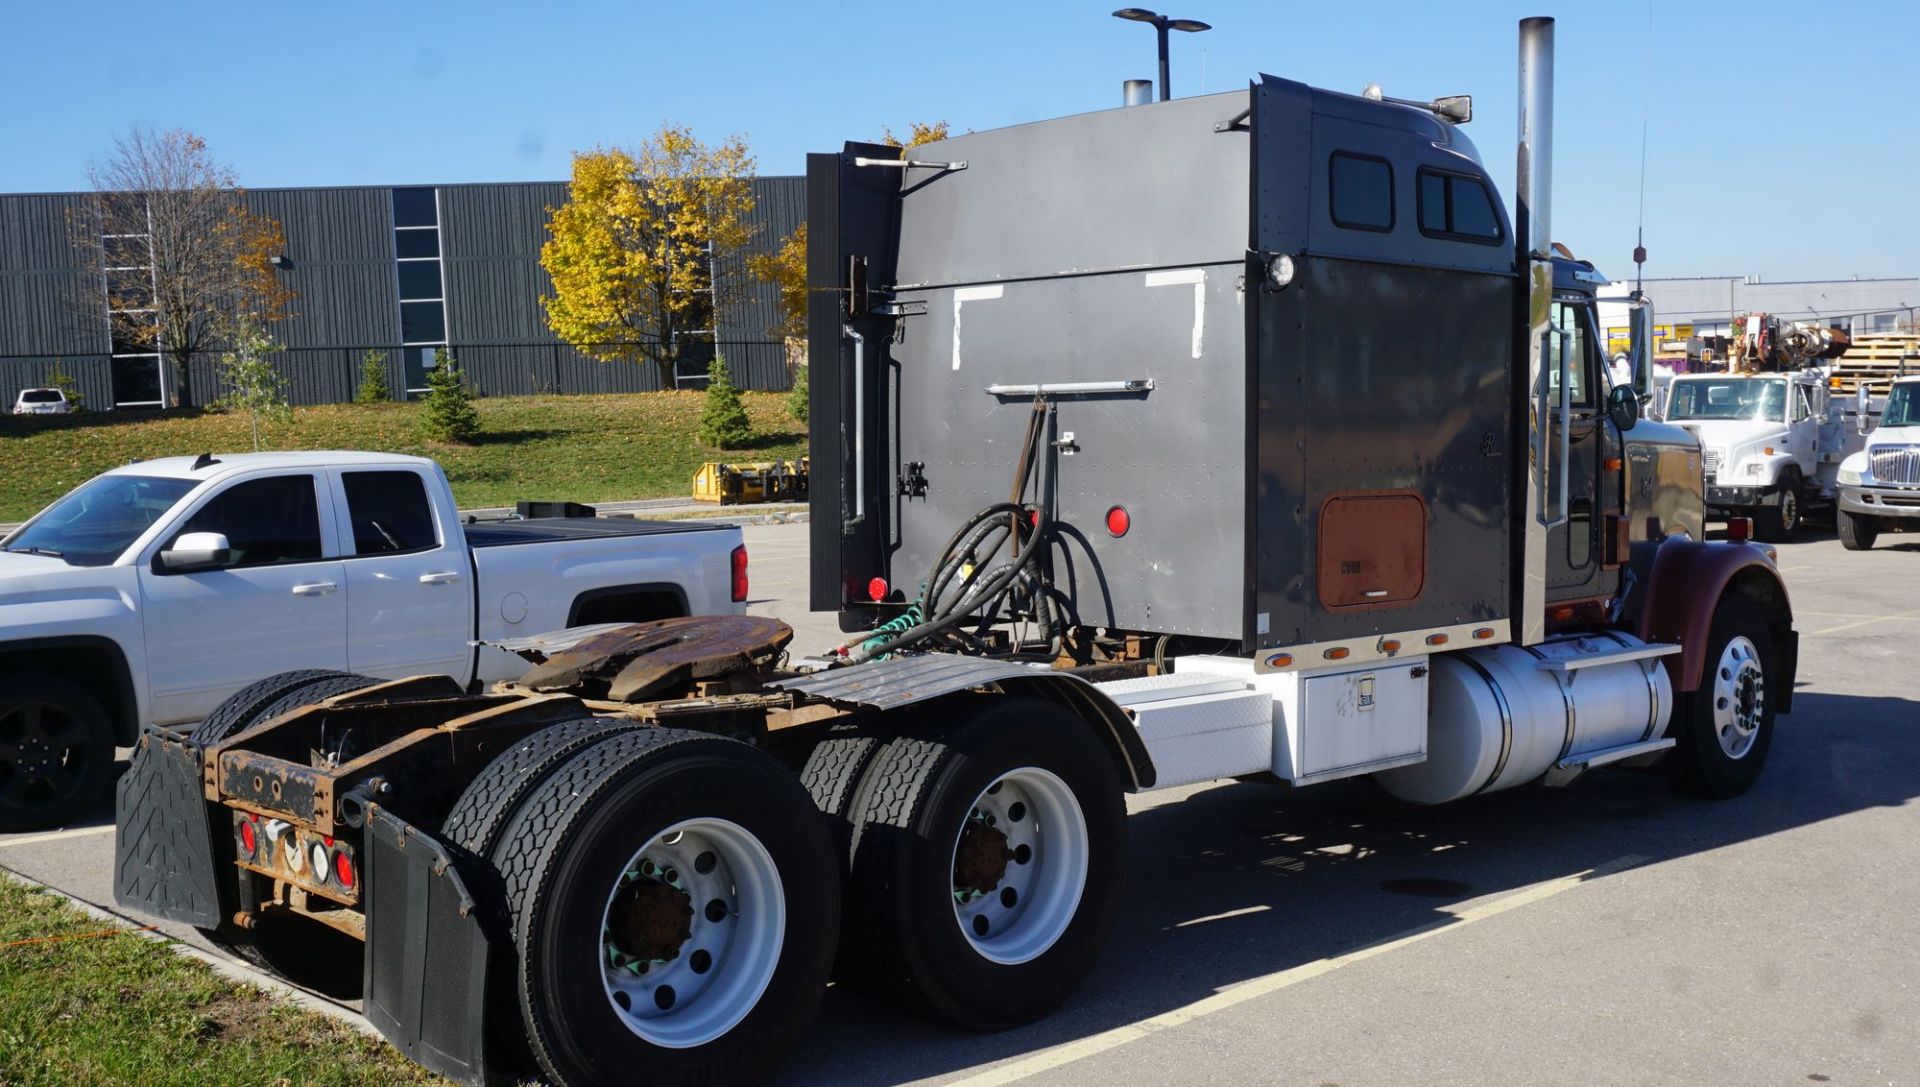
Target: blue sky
(1783, 137)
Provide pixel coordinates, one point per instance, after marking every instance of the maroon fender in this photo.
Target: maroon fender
(1685, 582)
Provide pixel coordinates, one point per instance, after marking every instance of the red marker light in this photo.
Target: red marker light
(343, 870)
(877, 589)
(248, 840)
(1739, 529)
(1118, 521)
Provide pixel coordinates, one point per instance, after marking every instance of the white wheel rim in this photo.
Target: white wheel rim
(1739, 697)
(714, 922)
(1029, 817)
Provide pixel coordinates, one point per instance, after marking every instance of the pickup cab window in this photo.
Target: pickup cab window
(94, 524)
(267, 522)
(390, 513)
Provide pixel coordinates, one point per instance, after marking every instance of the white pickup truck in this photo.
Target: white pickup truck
(153, 591)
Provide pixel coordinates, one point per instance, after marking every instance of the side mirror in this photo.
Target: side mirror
(1640, 348)
(1623, 407)
(196, 551)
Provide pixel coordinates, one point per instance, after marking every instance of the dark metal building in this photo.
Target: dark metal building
(404, 270)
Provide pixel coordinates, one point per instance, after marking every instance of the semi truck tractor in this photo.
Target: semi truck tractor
(1239, 436)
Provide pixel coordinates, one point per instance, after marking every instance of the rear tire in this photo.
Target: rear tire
(269, 698)
(1723, 729)
(1857, 533)
(56, 752)
(613, 849)
(987, 864)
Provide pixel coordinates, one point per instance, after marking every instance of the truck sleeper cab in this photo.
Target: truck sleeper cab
(1233, 436)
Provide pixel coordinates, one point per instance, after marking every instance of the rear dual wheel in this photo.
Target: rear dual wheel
(986, 864)
(671, 905)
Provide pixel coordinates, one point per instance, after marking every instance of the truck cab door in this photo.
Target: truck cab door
(409, 584)
(1573, 547)
(276, 606)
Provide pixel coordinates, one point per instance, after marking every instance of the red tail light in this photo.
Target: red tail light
(1739, 529)
(343, 869)
(740, 574)
(1118, 521)
(877, 589)
(249, 840)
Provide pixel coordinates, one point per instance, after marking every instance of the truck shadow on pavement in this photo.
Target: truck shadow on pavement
(1303, 876)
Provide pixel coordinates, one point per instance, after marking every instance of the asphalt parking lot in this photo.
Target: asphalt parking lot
(1608, 933)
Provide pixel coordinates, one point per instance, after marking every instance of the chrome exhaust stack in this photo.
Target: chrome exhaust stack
(1533, 238)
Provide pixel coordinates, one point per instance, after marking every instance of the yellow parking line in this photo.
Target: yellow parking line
(1049, 1059)
(1865, 622)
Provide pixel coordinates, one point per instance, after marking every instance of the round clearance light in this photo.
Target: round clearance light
(1280, 271)
(343, 869)
(1118, 521)
(319, 863)
(877, 589)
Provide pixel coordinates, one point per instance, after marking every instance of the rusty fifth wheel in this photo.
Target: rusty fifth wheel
(673, 900)
(986, 863)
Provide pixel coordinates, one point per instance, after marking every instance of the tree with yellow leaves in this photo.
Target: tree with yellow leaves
(917, 134)
(634, 250)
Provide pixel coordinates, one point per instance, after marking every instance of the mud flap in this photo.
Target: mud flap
(165, 859)
(426, 951)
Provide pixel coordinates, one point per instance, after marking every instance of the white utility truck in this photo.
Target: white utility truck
(1771, 443)
(1270, 449)
(1880, 484)
(152, 592)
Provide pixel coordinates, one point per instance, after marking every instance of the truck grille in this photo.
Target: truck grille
(1900, 464)
(1710, 464)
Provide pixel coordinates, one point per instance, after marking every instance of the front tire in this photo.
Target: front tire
(56, 752)
(1723, 729)
(987, 863)
(691, 874)
(1857, 533)
(1776, 519)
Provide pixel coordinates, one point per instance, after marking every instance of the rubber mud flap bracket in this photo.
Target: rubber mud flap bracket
(165, 862)
(427, 954)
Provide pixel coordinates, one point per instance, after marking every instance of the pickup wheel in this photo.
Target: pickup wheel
(56, 751)
(271, 697)
(1724, 728)
(1857, 533)
(690, 871)
(987, 862)
(1774, 520)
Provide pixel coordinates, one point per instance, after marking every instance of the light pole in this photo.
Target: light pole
(1161, 24)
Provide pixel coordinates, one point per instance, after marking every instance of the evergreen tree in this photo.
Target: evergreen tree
(447, 414)
(797, 398)
(58, 378)
(723, 419)
(373, 380)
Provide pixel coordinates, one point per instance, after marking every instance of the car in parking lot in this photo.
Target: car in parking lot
(41, 402)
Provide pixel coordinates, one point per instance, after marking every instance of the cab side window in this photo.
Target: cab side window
(390, 513)
(1801, 408)
(267, 522)
(1579, 347)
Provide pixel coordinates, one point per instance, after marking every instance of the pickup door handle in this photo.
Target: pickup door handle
(439, 577)
(314, 588)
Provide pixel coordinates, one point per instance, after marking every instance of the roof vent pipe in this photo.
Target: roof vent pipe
(1137, 92)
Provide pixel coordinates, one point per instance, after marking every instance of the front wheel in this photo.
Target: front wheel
(1774, 521)
(56, 751)
(1723, 729)
(987, 862)
(1857, 533)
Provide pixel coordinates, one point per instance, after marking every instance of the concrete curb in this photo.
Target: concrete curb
(231, 969)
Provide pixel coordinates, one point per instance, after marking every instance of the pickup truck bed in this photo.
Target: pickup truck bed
(550, 529)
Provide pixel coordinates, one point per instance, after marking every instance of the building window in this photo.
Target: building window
(1362, 192)
(1457, 207)
(421, 281)
(128, 285)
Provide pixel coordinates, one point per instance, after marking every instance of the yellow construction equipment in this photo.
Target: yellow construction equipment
(765, 481)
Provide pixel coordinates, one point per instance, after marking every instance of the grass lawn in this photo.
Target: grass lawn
(122, 1009)
(561, 448)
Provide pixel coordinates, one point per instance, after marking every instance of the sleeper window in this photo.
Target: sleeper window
(1361, 192)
